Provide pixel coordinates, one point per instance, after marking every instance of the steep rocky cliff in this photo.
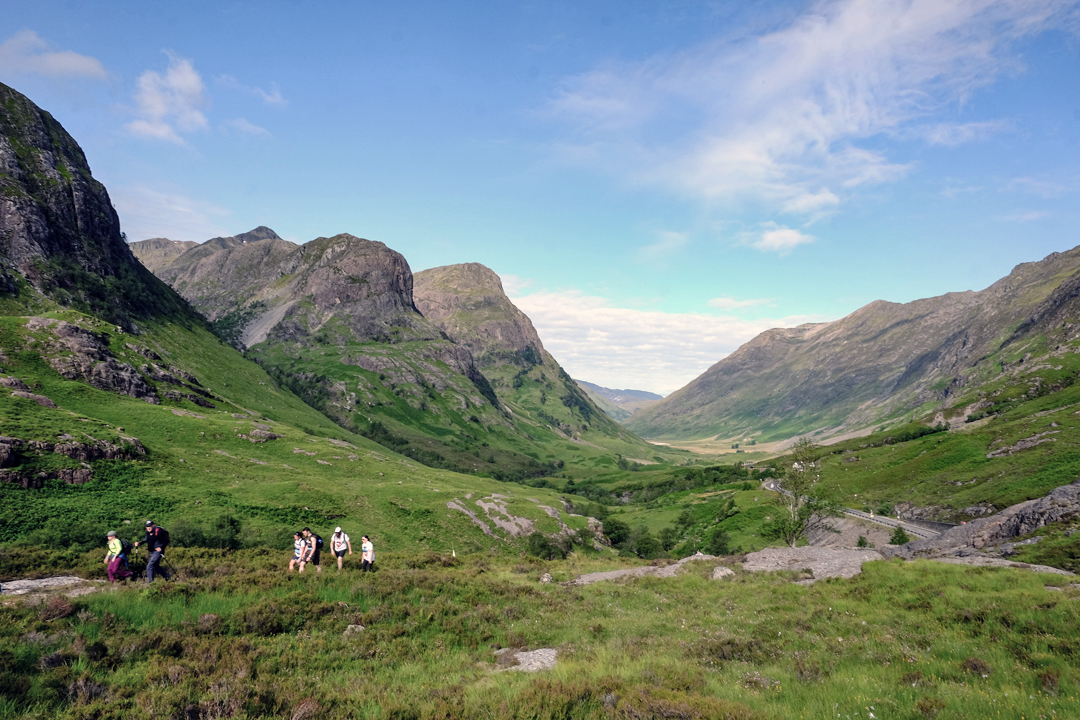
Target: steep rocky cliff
(467, 301)
(59, 233)
(875, 364)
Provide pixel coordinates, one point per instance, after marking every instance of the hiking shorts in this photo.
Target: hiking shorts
(341, 552)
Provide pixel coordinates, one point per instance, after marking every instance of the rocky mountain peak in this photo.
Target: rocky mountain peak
(58, 228)
(467, 301)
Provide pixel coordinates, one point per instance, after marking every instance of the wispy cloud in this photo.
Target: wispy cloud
(659, 252)
(270, 97)
(730, 303)
(647, 350)
(248, 128)
(1026, 216)
(26, 53)
(783, 120)
(1033, 186)
(147, 213)
(170, 103)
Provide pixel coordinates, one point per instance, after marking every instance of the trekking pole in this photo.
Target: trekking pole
(170, 568)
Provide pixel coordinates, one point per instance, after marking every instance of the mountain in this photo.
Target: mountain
(59, 234)
(619, 404)
(335, 320)
(156, 253)
(883, 362)
(468, 303)
(118, 403)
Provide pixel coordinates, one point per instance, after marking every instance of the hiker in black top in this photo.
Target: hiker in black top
(316, 549)
(157, 539)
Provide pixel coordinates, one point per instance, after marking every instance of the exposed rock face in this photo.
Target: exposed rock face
(156, 253)
(78, 354)
(467, 301)
(1020, 519)
(884, 358)
(354, 288)
(58, 229)
(13, 450)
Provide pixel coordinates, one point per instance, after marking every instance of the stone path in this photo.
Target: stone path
(665, 571)
(22, 587)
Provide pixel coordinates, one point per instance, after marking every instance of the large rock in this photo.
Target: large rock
(1012, 522)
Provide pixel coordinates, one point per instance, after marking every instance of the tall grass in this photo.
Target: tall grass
(901, 640)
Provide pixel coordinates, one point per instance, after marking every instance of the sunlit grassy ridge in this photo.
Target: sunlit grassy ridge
(237, 636)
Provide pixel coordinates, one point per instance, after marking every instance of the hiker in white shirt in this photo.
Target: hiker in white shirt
(368, 560)
(339, 543)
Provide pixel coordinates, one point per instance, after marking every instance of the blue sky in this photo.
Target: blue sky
(656, 183)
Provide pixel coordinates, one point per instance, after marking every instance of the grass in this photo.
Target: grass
(904, 640)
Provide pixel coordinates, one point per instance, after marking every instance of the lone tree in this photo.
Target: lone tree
(800, 510)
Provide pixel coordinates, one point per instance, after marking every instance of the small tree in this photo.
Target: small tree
(668, 537)
(899, 537)
(719, 543)
(800, 510)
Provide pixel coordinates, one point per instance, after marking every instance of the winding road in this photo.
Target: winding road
(910, 529)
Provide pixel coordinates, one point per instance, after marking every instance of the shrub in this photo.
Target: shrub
(719, 543)
(540, 546)
(899, 537)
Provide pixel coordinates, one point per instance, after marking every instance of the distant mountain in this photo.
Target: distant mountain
(619, 404)
(884, 362)
(59, 233)
(156, 253)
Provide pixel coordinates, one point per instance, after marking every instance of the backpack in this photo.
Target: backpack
(162, 537)
(318, 541)
(125, 547)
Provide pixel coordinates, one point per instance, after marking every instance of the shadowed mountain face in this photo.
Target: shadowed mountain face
(59, 233)
(879, 363)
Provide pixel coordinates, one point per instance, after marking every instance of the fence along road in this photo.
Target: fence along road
(909, 528)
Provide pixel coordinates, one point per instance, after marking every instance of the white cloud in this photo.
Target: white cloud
(514, 285)
(26, 53)
(170, 103)
(271, 97)
(248, 128)
(659, 252)
(730, 303)
(782, 120)
(780, 239)
(639, 349)
(146, 213)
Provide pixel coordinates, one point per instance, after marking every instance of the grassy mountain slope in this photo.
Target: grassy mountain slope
(880, 364)
(622, 403)
(118, 403)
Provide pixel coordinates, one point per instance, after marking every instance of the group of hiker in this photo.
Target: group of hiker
(116, 560)
(307, 550)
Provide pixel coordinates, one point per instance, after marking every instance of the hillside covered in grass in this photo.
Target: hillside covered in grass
(239, 637)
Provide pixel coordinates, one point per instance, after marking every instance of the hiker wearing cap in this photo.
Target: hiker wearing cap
(339, 543)
(299, 545)
(157, 539)
(116, 558)
(367, 560)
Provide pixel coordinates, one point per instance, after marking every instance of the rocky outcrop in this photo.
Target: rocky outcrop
(15, 452)
(58, 229)
(78, 354)
(987, 532)
(468, 303)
